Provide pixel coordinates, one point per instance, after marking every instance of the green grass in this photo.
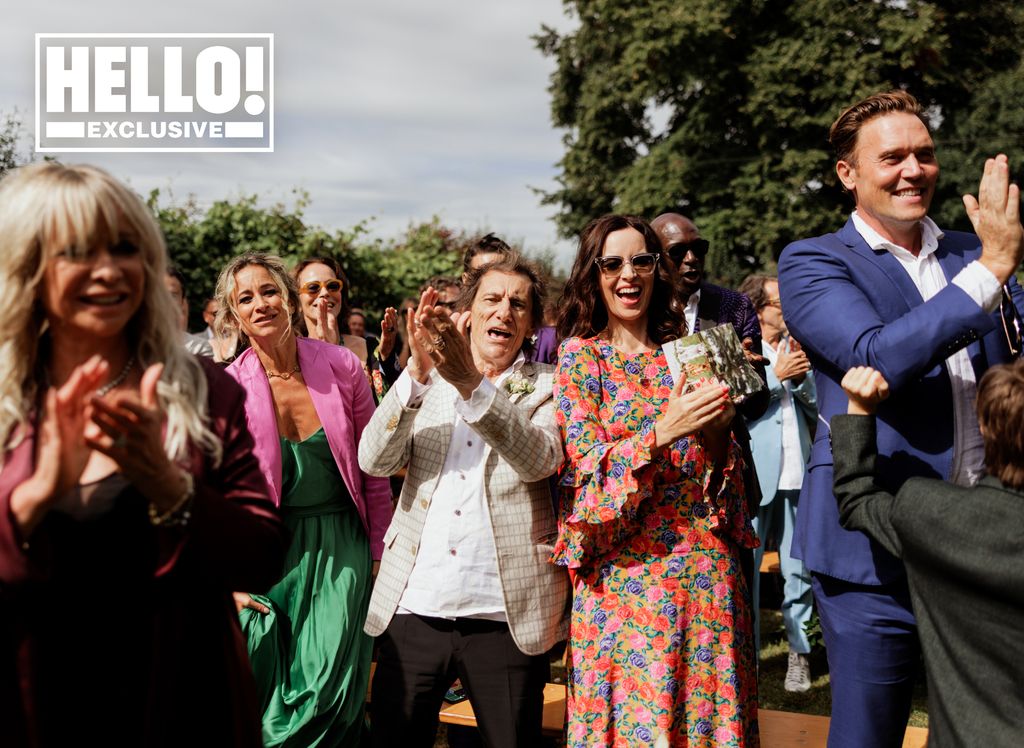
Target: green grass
(774, 658)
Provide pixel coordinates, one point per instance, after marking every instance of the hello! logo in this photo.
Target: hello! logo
(154, 92)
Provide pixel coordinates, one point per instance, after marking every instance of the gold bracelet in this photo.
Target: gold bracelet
(181, 511)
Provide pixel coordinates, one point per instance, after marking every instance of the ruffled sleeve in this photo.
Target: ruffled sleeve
(609, 473)
(599, 483)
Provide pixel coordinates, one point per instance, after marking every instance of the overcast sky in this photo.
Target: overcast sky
(395, 110)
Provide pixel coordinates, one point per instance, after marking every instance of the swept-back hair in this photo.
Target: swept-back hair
(48, 208)
(581, 309)
(227, 322)
(845, 130)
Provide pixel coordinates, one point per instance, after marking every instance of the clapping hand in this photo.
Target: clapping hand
(791, 362)
(689, 410)
(325, 324)
(866, 388)
(995, 215)
(127, 427)
(61, 449)
(388, 325)
(446, 338)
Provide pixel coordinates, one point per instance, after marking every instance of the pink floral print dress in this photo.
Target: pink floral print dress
(662, 649)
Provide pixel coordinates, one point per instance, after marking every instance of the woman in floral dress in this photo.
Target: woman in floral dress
(652, 517)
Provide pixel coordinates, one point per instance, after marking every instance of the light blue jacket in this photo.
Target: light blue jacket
(766, 431)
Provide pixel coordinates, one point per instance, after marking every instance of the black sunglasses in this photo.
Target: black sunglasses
(642, 264)
(699, 247)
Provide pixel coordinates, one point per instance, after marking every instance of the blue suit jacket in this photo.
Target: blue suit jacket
(849, 305)
(766, 431)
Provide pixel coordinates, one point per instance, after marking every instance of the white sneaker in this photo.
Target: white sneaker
(798, 673)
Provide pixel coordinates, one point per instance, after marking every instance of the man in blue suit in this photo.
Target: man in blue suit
(781, 443)
(931, 311)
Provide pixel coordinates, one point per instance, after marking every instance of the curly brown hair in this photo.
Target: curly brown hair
(581, 310)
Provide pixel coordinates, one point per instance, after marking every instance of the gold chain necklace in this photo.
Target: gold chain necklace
(282, 374)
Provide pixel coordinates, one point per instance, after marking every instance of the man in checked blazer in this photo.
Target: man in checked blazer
(465, 588)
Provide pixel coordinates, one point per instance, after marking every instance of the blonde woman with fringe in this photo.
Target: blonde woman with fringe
(307, 403)
(131, 502)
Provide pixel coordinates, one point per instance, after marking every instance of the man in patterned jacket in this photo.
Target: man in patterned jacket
(465, 588)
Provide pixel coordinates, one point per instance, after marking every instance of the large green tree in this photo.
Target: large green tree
(720, 109)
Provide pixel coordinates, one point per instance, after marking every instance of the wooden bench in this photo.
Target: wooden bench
(770, 563)
(778, 729)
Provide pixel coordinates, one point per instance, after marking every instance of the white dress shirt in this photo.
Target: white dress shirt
(691, 311)
(981, 285)
(456, 569)
(791, 463)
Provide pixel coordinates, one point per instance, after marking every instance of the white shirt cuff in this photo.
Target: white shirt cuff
(410, 392)
(978, 282)
(472, 410)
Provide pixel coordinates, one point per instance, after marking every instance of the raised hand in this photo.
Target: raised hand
(687, 412)
(995, 215)
(791, 363)
(61, 448)
(388, 326)
(128, 428)
(447, 339)
(420, 363)
(325, 324)
(866, 388)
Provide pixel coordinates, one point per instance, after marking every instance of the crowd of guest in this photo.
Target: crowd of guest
(242, 521)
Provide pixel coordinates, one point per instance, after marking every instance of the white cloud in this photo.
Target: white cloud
(396, 110)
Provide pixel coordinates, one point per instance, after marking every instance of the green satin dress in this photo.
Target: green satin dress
(309, 654)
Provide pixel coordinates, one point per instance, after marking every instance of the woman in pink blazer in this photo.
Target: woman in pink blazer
(307, 404)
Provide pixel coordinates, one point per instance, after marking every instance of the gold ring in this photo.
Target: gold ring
(438, 342)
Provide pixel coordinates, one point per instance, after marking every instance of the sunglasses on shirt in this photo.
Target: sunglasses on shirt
(699, 247)
(313, 287)
(642, 264)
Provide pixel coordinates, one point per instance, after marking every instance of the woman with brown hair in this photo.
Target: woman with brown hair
(652, 514)
(323, 292)
(131, 503)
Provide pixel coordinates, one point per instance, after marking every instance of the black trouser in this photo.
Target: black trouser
(419, 658)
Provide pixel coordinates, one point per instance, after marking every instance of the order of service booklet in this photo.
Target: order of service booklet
(715, 353)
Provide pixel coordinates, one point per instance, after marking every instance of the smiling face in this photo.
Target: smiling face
(627, 295)
(318, 273)
(259, 304)
(892, 175)
(500, 319)
(95, 293)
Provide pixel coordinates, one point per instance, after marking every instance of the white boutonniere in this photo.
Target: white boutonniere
(517, 384)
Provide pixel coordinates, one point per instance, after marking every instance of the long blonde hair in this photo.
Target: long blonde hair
(227, 322)
(49, 207)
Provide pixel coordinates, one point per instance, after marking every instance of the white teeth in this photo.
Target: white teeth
(104, 300)
(908, 193)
